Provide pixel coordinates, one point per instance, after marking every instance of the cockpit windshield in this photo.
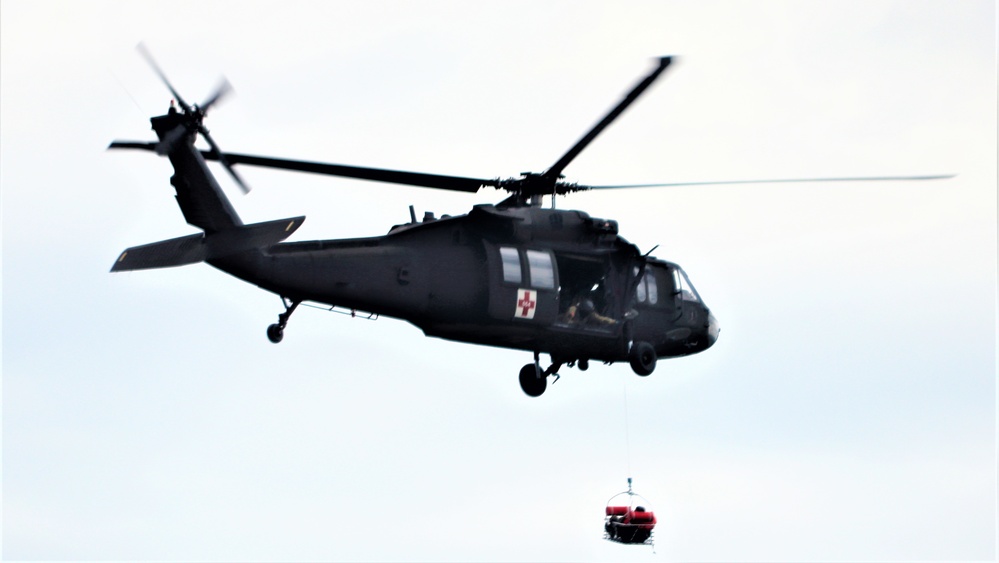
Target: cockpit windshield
(683, 285)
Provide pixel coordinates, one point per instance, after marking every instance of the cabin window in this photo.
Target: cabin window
(650, 279)
(647, 290)
(511, 265)
(542, 269)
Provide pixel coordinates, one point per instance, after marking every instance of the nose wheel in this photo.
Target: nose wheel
(275, 332)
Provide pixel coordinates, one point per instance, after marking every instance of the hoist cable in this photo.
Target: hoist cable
(627, 434)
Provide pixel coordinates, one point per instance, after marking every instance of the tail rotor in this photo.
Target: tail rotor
(194, 119)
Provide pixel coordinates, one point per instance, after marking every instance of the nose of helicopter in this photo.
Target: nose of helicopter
(713, 330)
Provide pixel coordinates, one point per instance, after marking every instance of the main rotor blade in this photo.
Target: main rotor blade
(141, 145)
(777, 181)
(453, 183)
(553, 173)
(152, 62)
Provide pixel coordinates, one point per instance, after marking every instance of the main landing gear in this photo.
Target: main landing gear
(275, 332)
(643, 358)
(534, 380)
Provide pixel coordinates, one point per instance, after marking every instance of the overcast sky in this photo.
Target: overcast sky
(847, 412)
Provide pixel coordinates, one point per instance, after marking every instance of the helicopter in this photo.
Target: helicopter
(514, 274)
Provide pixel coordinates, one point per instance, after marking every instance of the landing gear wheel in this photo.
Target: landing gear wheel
(533, 383)
(583, 365)
(643, 358)
(275, 333)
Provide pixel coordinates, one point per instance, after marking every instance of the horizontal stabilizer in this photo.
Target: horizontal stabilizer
(192, 249)
(246, 237)
(164, 254)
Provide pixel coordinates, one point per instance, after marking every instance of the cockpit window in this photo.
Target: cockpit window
(683, 285)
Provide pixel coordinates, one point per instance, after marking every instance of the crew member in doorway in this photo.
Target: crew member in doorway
(583, 312)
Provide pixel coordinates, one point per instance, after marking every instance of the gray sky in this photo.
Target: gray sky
(848, 411)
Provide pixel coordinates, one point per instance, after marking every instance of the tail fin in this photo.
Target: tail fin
(199, 195)
(206, 246)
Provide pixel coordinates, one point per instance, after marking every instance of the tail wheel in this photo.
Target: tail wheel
(643, 358)
(275, 333)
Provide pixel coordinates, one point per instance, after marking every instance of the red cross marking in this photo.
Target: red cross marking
(526, 305)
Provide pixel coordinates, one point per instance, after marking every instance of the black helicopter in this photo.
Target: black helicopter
(513, 275)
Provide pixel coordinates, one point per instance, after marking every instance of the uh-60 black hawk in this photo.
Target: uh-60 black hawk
(513, 275)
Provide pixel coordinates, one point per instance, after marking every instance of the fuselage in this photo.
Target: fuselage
(506, 277)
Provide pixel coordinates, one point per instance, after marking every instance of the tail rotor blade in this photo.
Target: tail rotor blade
(222, 160)
(152, 62)
(223, 89)
(170, 139)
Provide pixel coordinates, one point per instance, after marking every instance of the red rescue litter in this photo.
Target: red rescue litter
(628, 518)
